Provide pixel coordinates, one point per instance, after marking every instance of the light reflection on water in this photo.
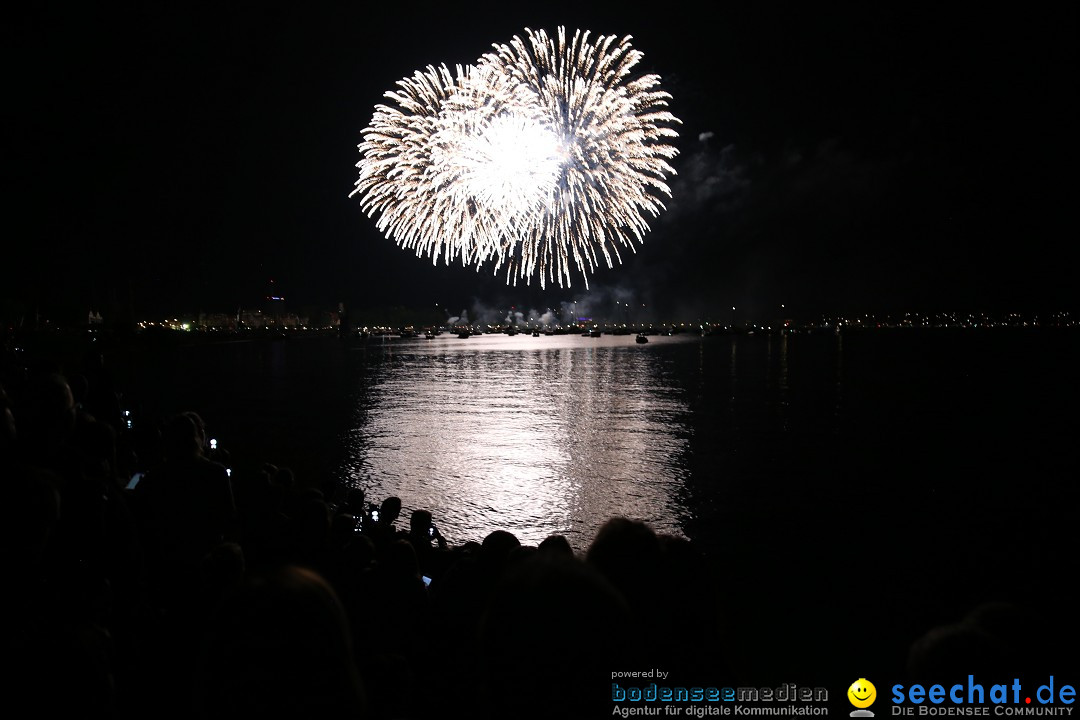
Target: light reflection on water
(724, 439)
(536, 436)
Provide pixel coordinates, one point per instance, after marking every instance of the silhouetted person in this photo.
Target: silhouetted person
(354, 502)
(45, 419)
(556, 546)
(311, 520)
(379, 526)
(497, 547)
(458, 602)
(627, 553)
(279, 645)
(101, 398)
(432, 552)
(397, 637)
(691, 636)
(265, 527)
(344, 527)
(389, 512)
(188, 506)
(59, 625)
(551, 630)
(95, 542)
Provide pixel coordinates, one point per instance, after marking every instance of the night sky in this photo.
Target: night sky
(894, 157)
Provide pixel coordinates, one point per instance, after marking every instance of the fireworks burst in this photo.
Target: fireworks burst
(543, 157)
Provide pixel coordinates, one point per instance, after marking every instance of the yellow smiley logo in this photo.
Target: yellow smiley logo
(862, 693)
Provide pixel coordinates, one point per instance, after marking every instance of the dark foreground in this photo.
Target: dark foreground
(200, 594)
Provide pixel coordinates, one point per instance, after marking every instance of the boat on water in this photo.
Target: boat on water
(464, 334)
(536, 333)
(642, 338)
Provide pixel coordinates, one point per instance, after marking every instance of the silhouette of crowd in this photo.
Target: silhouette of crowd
(195, 592)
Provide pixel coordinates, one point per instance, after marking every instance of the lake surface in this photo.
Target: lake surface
(554, 434)
(887, 477)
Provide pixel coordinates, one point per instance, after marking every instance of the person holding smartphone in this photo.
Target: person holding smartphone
(430, 545)
(379, 524)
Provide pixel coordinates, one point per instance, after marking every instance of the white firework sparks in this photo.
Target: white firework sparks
(544, 157)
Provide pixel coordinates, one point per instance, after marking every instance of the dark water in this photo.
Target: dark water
(851, 489)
